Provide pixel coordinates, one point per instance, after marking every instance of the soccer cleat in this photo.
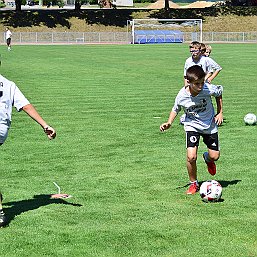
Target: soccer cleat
(210, 165)
(193, 188)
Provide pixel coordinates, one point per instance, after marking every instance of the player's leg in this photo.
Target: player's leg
(8, 42)
(3, 136)
(213, 154)
(191, 163)
(192, 139)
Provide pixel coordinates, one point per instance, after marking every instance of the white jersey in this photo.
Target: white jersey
(199, 109)
(10, 96)
(8, 34)
(214, 66)
(208, 65)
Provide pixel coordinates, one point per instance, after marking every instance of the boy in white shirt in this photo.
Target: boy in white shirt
(8, 37)
(11, 96)
(200, 121)
(210, 67)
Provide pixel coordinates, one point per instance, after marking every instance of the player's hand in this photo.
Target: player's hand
(165, 126)
(50, 132)
(219, 119)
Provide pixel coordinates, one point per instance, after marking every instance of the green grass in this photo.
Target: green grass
(128, 181)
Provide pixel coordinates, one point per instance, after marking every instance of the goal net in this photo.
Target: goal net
(151, 31)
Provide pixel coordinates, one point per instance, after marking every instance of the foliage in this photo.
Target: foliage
(244, 19)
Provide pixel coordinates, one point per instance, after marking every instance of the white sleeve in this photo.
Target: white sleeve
(176, 107)
(215, 90)
(19, 100)
(186, 67)
(214, 66)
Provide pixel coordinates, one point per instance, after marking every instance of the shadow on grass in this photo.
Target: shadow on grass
(224, 183)
(18, 207)
(113, 17)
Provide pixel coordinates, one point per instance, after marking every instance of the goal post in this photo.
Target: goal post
(147, 31)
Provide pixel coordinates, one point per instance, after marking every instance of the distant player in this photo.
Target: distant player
(208, 50)
(11, 96)
(200, 121)
(210, 67)
(8, 37)
(216, 68)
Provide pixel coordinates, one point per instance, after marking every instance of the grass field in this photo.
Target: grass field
(127, 180)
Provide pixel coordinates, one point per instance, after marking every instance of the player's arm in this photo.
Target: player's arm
(219, 115)
(168, 124)
(32, 112)
(215, 67)
(214, 74)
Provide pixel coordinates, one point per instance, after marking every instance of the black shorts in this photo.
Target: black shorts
(211, 140)
(8, 41)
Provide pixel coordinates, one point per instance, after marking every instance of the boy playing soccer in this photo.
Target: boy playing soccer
(10, 96)
(200, 121)
(210, 67)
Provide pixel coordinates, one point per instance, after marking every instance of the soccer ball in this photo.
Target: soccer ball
(210, 191)
(250, 119)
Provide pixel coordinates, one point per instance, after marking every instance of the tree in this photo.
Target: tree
(77, 4)
(166, 6)
(18, 5)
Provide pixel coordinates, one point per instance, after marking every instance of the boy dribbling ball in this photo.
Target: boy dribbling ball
(200, 121)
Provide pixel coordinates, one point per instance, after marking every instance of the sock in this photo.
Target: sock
(194, 182)
(206, 157)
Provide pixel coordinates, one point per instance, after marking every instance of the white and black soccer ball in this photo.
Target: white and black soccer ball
(250, 119)
(211, 191)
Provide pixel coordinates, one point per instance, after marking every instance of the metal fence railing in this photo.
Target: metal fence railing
(244, 37)
(118, 37)
(68, 37)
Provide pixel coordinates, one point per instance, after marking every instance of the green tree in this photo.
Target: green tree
(166, 6)
(78, 4)
(18, 5)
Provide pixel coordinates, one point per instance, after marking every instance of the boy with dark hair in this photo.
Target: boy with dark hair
(200, 121)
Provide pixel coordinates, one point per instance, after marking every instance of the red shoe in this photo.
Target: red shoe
(193, 188)
(210, 165)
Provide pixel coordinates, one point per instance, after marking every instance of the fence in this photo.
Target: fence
(68, 37)
(118, 37)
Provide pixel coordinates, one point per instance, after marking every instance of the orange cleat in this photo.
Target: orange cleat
(193, 188)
